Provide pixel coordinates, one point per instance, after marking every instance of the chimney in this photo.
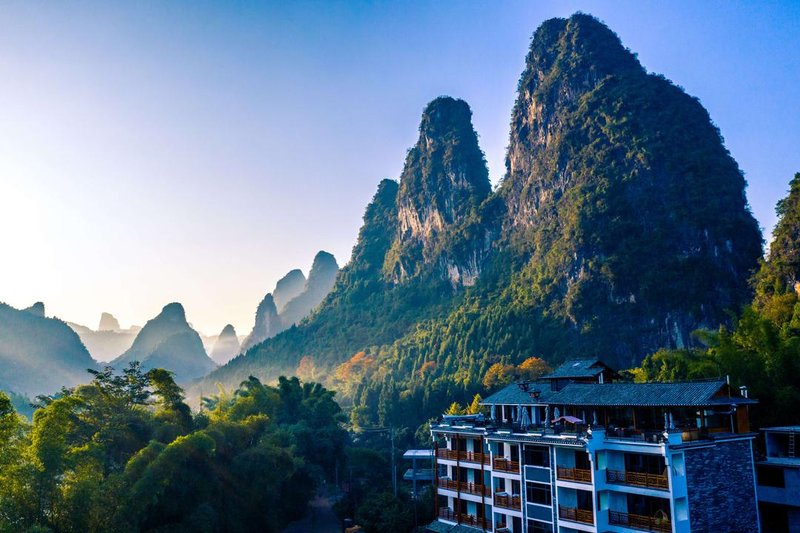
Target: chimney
(743, 390)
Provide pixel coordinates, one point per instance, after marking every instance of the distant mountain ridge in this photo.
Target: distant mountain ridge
(226, 346)
(168, 341)
(292, 300)
(109, 341)
(620, 227)
(39, 355)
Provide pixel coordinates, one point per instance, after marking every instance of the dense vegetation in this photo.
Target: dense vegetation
(125, 453)
(762, 350)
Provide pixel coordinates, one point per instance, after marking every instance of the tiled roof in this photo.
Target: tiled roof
(579, 368)
(676, 394)
(514, 395)
(690, 393)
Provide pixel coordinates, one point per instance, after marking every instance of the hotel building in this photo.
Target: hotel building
(580, 451)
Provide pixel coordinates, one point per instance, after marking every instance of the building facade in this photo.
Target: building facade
(778, 474)
(579, 451)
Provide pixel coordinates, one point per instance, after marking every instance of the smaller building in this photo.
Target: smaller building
(421, 471)
(779, 480)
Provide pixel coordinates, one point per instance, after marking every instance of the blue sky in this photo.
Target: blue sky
(160, 151)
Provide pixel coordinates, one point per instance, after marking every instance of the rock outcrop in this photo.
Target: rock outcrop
(226, 347)
(108, 323)
(36, 309)
(443, 183)
(288, 287)
(320, 281)
(267, 323)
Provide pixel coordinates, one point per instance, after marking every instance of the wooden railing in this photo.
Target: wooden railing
(475, 457)
(635, 521)
(464, 486)
(445, 513)
(467, 457)
(585, 516)
(444, 453)
(638, 479)
(507, 502)
(580, 475)
(505, 465)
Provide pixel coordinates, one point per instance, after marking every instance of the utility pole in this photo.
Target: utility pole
(390, 430)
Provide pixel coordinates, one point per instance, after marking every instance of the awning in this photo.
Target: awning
(570, 419)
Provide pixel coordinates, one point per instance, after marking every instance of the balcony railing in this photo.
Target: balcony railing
(635, 521)
(445, 513)
(464, 486)
(507, 502)
(638, 479)
(466, 457)
(506, 465)
(584, 516)
(580, 475)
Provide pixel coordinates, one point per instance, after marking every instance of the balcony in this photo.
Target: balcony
(506, 501)
(506, 465)
(643, 523)
(638, 479)
(579, 475)
(464, 486)
(445, 513)
(574, 514)
(464, 457)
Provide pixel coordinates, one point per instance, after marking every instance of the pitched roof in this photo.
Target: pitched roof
(674, 394)
(512, 395)
(677, 394)
(578, 368)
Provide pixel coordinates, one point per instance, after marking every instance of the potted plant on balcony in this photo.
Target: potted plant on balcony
(661, 520)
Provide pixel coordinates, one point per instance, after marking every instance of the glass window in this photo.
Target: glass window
(770, 476)
(538, 493)
(534, 526)
(537, 456)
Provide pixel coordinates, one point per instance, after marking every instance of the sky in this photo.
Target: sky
(153, 152)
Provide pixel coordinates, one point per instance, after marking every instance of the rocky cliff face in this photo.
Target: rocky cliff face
(443, 183)
(39, 355)
(267, 324)
(621, 193)
(226, 347)
(288, 288)
(168, 341)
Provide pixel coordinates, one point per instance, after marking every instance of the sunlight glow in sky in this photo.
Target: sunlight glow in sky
(195, 152)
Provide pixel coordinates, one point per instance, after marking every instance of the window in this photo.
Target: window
(534, 526)
(770, 476)
(538, 493)
(537, 456)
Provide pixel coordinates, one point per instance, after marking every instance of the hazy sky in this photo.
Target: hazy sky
(195, 152)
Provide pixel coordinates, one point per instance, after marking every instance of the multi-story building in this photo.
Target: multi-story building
(579, 451)
(778, 477)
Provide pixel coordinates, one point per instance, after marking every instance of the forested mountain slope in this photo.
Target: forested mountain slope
(620, 227)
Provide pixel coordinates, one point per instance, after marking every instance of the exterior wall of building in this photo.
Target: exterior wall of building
(721, 487)
(701, 486)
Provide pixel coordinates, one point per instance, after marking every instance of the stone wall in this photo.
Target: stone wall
(721, 486)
